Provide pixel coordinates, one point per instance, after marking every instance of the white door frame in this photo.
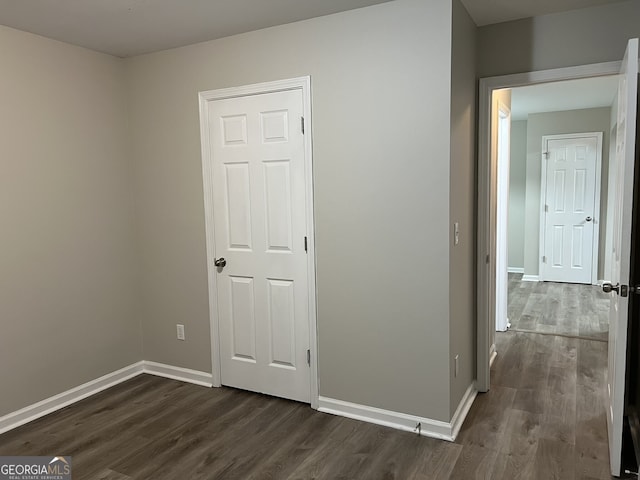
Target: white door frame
(304, 84)
(502, 213)
(486, 257)
(597, 206)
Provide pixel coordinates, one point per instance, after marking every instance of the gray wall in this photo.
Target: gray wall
(579, 37)
(556, 123)
(517, 183)
(381, 113)
(462, 200)
(67, 264)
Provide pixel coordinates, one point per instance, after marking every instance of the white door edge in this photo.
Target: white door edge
(486, 258)
(618, 331)
(304, 84)
(543, 188)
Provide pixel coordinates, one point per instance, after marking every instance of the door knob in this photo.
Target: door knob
(608, 288)
(588, 219)
(220, 262)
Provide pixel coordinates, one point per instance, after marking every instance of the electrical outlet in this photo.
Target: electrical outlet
(180, 331)
(455, 369)
(456, 233)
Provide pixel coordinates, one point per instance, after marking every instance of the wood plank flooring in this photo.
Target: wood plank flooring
(558, 308)
(544, 418)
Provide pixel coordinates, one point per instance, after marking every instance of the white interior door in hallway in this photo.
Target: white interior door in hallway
(257, 155)
(570, 206)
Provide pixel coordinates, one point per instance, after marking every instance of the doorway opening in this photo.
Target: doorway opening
(552, 206)
(539, 384)
(487, 243)
(555, 192)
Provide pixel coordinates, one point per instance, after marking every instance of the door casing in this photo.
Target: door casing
(304, 84)
(596, 214)
(503, 156)
(486, 235)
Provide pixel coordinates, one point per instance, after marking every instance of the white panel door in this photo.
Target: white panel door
(621, 262)
(569, 209)
(259, 208)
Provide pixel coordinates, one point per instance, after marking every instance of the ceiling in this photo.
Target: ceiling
(126, 28)
(560, 96)
(485, 12)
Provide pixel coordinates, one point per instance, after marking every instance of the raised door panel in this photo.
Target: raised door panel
(580, 200)
(278, 215)
(242, 318)
(282, 333)
(557, 246)
(238, 202)
(577, 247)
(274, 126)
(234, 130)
(558, 194)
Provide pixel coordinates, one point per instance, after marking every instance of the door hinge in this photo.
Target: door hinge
(305, 245)
(487, 259)
(309, 357)
(546, 155)
(544, 259)
(302, 124)
(546, 208)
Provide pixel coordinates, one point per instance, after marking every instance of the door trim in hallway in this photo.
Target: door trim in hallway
(304, 84)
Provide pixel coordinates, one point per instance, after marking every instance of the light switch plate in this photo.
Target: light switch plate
(180, 331)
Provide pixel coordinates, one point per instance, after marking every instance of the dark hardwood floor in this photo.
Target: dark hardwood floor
(544, 418)
(558, 308)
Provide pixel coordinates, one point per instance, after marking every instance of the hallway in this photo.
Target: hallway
(544, 417)
(568, 309)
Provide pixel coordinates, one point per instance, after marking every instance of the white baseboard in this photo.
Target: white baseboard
(187, 375)
(515, 270)
(429, 428)
(531, 278)
(463, 409)
(493, 353)
(402, 421)
(49, 405)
